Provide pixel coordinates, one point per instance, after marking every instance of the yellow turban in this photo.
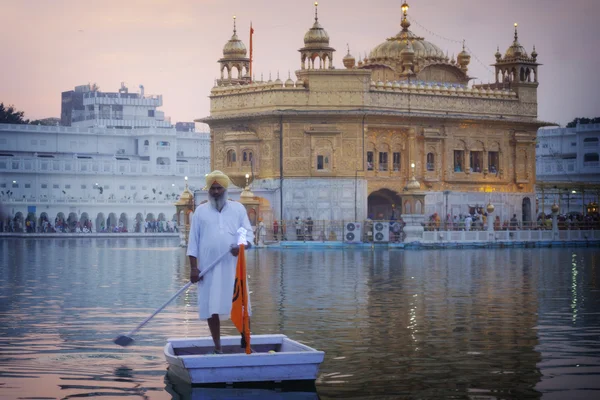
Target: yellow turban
(217, 177)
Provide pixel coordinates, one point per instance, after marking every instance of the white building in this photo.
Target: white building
(568, 168)
(119, 163)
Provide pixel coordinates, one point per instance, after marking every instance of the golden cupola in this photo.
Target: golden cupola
(515, 51)
(516, 67)
(349, 60)
(390, 60)
(464, 59)
(316, 51)
(234, 48)
(316, 36)
(235, 66)
(392, 47)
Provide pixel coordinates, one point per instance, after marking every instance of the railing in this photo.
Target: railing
(332, 231)
(169, 131)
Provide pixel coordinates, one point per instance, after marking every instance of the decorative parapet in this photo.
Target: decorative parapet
(398, 96)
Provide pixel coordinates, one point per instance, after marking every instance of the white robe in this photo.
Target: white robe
(211, 234)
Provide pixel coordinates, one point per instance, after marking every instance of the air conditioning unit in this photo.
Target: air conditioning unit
(180, 153)
(121, 151)
(353, 232)
(381, 232)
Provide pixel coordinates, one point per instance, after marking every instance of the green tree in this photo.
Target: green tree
(583, 121)
(9, 115)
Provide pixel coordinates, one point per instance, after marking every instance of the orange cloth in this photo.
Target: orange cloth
(239, 306)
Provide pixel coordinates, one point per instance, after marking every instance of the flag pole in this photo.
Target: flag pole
(251, 34)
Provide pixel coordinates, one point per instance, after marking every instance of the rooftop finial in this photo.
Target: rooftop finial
(348, 46)
(463, 44)
(405, 24)
(516, 33)
(316, 11)
(234, 28)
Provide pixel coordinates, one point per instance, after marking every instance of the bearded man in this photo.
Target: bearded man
(213, 232)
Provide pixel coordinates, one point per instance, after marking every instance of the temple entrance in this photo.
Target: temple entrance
(384, 204)
(526, 211)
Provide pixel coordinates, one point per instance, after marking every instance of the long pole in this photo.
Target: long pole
(281, 169)
(355, 194)
(251, 34)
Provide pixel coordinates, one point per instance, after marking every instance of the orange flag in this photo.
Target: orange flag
(239, 306)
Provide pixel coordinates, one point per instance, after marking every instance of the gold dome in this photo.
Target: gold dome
(516, 50)
(185, 198)
(413, 184)
(555, 208)
(234, 48)
(490, 208)
(316, 36)
(349, 60)
(393, 47)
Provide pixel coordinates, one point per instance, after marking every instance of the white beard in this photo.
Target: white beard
(218, 203)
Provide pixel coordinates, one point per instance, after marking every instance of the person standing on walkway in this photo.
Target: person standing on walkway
(213, 232)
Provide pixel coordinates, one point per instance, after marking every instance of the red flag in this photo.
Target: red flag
(239, 306)
(251, 33)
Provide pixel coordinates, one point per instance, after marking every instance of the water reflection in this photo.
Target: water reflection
(505, 323)
(183, 391)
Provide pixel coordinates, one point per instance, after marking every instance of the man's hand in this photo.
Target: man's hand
(195, 275)
(235, 249)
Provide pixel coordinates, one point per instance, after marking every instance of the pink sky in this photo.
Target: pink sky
(172, 46)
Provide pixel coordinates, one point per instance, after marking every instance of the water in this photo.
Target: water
(485, 324)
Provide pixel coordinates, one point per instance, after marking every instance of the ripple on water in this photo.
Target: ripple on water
(502, 324)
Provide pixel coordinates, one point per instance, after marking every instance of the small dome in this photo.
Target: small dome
(413, 184)
(316, 36)
(186, 197)
(498, 55)
(234, 48)
(278, 82)
(516, 50)
(349, 60)
(289, 82)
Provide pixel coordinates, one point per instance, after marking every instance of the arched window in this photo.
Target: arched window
(146, 143)
(430, 161)
(244, 157)
(231, 159)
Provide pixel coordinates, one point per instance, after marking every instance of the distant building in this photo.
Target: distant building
(119, 163)
(568, 168)
(86, 106)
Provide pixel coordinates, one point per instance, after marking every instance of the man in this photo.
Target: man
(213, 232)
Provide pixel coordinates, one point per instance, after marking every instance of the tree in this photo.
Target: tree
(583, 121)
(9, 115)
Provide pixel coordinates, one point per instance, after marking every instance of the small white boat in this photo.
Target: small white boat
(275, 358)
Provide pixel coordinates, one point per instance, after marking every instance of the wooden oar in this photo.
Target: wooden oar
(126, 340)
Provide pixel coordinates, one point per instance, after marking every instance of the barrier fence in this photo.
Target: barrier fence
(393, 230)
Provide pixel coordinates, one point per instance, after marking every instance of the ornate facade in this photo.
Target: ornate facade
(341, 143)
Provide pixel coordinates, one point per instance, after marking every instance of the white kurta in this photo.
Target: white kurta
(211, 234)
